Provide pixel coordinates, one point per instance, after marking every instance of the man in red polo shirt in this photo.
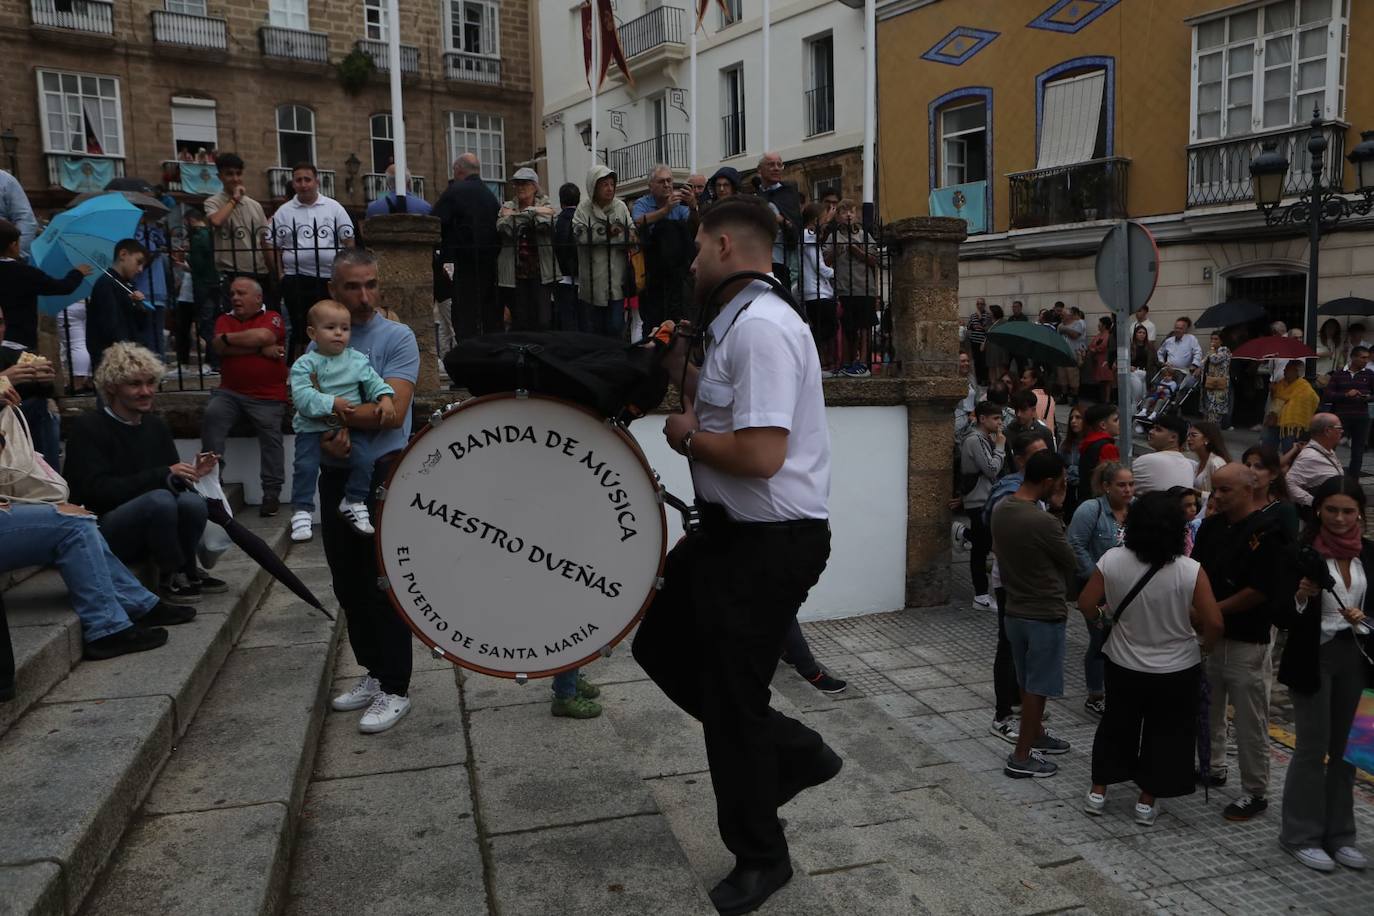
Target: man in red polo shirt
(251, 344)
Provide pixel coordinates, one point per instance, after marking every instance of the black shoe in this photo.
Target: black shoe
(133, 639)
(826, 766)
(166, 615)
(827, 683)
(746, 888)
(208, 584)
(178, 589)
(1245, 807)
(271, 505)
(1216, 778)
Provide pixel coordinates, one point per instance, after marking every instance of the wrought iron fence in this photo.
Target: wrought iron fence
(1219, 171)
(294, 44)
(633, 162)
(79, 15)
(472, 68)
(279, 181)
(380, 52)
(375, 186)
(1076, 193)
(190, 31)
(659, 26)
(820, 110)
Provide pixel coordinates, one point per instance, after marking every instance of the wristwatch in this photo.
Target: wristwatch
(687, 444)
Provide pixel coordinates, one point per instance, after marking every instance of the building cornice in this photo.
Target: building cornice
(894, 8)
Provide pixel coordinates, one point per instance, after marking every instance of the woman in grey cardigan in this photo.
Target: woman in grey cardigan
(1098, 525)
(525, 268)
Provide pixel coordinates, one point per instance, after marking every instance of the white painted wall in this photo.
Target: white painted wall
(867, 569)
(566, 91)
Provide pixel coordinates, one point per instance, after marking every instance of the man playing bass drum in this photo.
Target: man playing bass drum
(753, 428)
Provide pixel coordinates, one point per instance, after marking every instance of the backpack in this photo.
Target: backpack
(565, 243)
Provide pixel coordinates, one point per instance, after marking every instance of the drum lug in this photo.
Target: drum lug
(436, 652)
(606, 650)
(658, 584)
(384, 583)
(381, 494)
(522, 394)
(435, 417)
(658, 495)
(522, 679)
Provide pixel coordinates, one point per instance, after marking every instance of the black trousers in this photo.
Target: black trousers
(476, 308)
(711, 642)
(981, 536)
(379, 637)
(1006, 688)
(796, 651)
(1149, 733)
(529, 304)
(299, 294)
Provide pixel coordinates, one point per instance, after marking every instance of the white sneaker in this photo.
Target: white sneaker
(359, 695)
(356, 515)
(300, 527)
(982, 601)
(1314, 858)
(1008, 729)
(958, 534)
(1351, 857)
(386, 710)
(1095, 804)
(1145, 814)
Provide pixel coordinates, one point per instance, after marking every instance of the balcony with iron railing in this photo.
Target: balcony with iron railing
(279, 182)
(655, 38)
(820, 110)
(472, 68)
(380, 52)
(78, 172)
(1078, 193)
(375, 186)
(188, 31)
(94, 16)
(294, 44)
(633, 162)
(1219, 170)
(732, 132)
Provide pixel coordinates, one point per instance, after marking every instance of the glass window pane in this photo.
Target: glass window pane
(1278, 51)
(1278, 16)
(1307, 103)
(1312, 75)
(1241, 60)
(1238, 121)
(1315, 10)
(1244, 25)
(1209, 125)
(1276, 113)
(52, 82)
(284, 119)
(1211, 34)
(971, 117)
(1209, 68)
(1312, 43)
(1209, 97)
(1241, 91)
(1278, 84)
(305, 120)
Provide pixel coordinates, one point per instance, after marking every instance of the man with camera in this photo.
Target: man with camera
(1240, 548)
(666, 220)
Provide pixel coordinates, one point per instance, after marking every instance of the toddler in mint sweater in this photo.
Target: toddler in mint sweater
(326, 384)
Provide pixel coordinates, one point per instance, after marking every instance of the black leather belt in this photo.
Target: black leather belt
(714, 519)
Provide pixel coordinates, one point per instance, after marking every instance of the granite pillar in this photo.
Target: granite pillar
(404, 244)
(924, 255)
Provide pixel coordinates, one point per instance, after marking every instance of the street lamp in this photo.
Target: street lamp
(10, 141)
(351, 167)
(1320, 207)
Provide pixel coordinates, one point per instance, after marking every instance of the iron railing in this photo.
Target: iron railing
(79, 15)
(294, 44)
(732, 133)
(380, 52)
(1219, 171)
(56, 161)
(659, 26)
(633, 162)
(190, 31)
(279, 181)
(1082, 192)
(472, 68)
(820, 110)
(374, 186)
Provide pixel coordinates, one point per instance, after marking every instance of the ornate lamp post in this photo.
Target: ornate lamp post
(1320, 208)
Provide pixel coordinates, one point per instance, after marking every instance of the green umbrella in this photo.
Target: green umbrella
(1038, 343)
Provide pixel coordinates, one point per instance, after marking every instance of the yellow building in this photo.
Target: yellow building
(1039, 121)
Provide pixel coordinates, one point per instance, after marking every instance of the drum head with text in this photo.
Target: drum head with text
(520, 536)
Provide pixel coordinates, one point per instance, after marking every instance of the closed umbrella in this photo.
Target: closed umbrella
(1036, 342)
(1348, 305)
(85, 234)
(1231, 312)
(264, 555)
(1273, 347)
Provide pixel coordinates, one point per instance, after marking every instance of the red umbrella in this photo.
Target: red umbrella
(1273, 348)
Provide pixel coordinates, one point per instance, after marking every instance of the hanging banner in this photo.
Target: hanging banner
(703, 5)
(610, 42)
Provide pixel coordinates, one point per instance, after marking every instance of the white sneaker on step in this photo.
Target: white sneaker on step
(301, 527)
(359, 695)
(386, 710)
(356, 515)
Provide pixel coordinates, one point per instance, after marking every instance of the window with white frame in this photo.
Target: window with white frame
(194, 127)
(289, 14)
(189, 7)
(822, 187)
(382, 148)
(820, 85)
(963, 144)
(483, 134)
(1073, 120)
(81, 114)
(731, 11)
(1268, 67)
(295, 135)
(732, 98)
(474, 27)
(374, 20)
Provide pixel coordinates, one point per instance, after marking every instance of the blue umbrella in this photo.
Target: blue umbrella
(85, 234)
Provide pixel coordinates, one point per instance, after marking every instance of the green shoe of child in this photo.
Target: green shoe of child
(586, 689)
(575, 708)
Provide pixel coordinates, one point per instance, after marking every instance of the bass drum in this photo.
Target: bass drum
(521, 536)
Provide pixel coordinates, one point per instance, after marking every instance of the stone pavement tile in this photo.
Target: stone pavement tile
(1123, 861)
(1341, 891)
(481, 691)
(1103, 897)
(1177, 900)
(537, 771)
(878, 885)
(1186, 855)
(973, 723)
(915, 680)
(34, 890)
(619, 668)
(629, 865)
(973, 671)
(956, 652)
(161, 865)
(977, 755)
(1020, 792)
(856, 634)
(283, 619)
(890, 659)
(1253, 894)
(949, 699)
(1067, 822)
(430, 735)
(665, 739)
(393, 844)
(901, 705)
(933, 729)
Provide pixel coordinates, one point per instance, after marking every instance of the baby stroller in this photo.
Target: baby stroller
(1165, 392)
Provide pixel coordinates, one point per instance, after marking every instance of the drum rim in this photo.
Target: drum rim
(610, 643)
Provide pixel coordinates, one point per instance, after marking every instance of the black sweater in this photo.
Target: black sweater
(112, 315)
(110, 462)
(20, 286)
(1246, 554)
(1300, 667)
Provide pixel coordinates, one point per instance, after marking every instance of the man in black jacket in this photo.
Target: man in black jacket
(568, 310)
(21, 284)
(123, 465)
(115, 310)
(468, 210)
(785, 200)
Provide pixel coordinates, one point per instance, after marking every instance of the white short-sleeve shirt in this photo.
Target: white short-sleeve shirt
(309, 237)
(761, 369)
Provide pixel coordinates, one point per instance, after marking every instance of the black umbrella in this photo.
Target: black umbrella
(265, 556)
(1348, 305)
(129, 184)
(1230, 312)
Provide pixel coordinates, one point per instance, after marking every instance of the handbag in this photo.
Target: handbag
(1109, 622)
(24, 476)
(1216, 383)
(1359, 746)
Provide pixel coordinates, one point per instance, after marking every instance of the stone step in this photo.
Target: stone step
(77, 764)
(215, 833)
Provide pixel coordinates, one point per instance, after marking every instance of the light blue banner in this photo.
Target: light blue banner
(967, 202)
(86, 174)
(200, 178)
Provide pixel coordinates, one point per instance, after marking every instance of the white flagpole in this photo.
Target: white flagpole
(767, 66)
(398, 122)
(596, 68)
(692, 105)
(870, 106)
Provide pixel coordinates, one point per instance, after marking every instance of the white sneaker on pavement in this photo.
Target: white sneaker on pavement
(1094, 803)
(356, 516)
(301, 527)
(1145, 814)
(1008, 729)
(982, 601)
(1314, 858)
(386, 710)
(359, 695)
(1351, 857)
